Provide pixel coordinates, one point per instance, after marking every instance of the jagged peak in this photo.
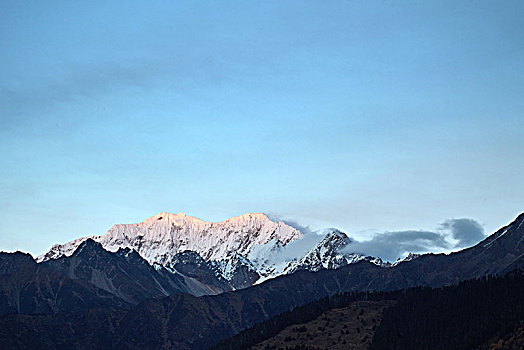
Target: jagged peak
(518, 221)
(333, 234)
(16, 253)
(515, 224)
(15, 256)
(412, 256)
(161, 236)
(250, 216)
(89, 243)
(188, 253)
(509, 232)
(409, 257)
(128, 253)
(166, 216)
(185, 256)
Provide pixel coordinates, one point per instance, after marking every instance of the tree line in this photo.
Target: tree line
(455, 317)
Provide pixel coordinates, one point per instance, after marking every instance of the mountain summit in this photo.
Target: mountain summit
(161, 236)
(234, 249)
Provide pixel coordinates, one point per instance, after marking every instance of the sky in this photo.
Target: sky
(375, 117)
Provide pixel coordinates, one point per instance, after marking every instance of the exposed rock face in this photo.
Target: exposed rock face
(10, 262)
(190, 264)
(125, 274)
(327, 254)
(29, 288)
(237, 269)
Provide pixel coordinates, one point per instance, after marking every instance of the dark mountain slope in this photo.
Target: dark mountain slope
(10, 262)
(28, 288)
(201, 322)
(191, 264)
(124, 274)
(340, 321)
(499, 253)
(462, 316)
(184, 321)
(90, 329)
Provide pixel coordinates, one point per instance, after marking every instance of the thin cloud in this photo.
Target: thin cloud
(79, 82)
(450, 235)
(299, 247)
(290, 222)
(101, 78)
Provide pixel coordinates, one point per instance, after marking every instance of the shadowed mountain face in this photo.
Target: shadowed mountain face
(10, 262)
(191, 264)
(29, 288)
(91, 277)
(184, 321)
(127, 275)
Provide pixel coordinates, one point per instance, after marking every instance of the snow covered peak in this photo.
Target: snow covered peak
(409, 257)
(336, 238)
(158, 238)
(328, 254)
(170, 217)
(240, 251)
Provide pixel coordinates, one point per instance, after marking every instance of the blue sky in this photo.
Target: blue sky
(369, 116)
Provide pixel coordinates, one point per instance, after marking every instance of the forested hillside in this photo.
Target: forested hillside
(463, 316)
(456, 317)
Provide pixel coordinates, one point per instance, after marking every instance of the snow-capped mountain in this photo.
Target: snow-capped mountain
(326, 255)
(241, 250)
(409, 257)
(161, 236)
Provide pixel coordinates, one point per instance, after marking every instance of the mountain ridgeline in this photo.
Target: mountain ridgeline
(228, 255)
(133, 288)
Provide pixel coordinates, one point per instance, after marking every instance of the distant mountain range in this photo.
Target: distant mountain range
(164, 283)
(239, 252)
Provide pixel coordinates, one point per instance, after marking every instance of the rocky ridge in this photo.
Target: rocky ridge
(238, 252)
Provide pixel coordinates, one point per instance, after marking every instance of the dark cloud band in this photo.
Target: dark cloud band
(451, 234)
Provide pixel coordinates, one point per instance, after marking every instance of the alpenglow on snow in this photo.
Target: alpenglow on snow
(250, 243)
